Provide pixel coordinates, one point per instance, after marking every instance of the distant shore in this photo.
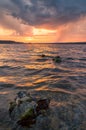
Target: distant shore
(10, 42)
(15, 42)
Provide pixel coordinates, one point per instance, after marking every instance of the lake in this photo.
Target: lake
(22, 67)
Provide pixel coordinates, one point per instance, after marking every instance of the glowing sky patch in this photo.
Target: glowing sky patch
(5, 32)
(38, 31)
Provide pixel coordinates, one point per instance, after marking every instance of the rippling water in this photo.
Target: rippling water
(21, 66)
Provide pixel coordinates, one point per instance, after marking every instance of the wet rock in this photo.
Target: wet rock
(57, 59)
(21, 109)
(28, 118)
(25, 109)
(43, 55)
(22, 94)
(64, 112)
(70, 58)
(11, 107)
(42, 104)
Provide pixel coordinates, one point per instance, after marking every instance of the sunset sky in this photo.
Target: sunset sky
(43, 20)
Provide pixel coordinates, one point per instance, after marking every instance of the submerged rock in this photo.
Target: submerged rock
(43, 55)
(69, 58)
(57, 59)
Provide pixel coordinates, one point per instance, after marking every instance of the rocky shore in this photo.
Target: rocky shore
(44, 110)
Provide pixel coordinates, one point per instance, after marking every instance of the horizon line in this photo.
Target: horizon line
(9, 42)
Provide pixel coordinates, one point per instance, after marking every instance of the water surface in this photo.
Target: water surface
(22, 67)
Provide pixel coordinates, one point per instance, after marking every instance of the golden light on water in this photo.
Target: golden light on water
(4, 92)
(3, 79)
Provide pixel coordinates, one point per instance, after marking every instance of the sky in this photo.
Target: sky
(43, 20)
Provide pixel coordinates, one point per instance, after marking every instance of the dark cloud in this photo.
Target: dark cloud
(45, 12)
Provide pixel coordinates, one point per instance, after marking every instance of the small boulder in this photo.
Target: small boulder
(21, 94)
(57, 59)
(43, 55)
(42, 104)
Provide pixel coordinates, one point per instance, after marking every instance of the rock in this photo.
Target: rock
(28, 118)
(11, 107)
(20, 110)
(25, 109)
(70, 58)
(57, 59)
(22, 94)
(28, 113)
(43, 55)
(66, 112)
(42, 104)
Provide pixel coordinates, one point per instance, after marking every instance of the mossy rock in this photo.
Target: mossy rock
(28, 118)
(27, 114)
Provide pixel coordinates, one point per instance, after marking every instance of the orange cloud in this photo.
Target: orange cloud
(71, 32)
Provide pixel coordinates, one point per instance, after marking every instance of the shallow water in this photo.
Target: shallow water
(22, 67)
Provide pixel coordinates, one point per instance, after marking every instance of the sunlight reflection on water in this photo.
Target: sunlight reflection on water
(23, 65)
(23, 68)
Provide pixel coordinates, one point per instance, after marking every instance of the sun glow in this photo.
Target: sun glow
(31, 34)
(5, 32)
(39, 31)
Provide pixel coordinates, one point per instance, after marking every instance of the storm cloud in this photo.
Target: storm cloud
(45, 12)
(26, 18)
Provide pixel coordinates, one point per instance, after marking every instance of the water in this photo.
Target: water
(22, 67)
